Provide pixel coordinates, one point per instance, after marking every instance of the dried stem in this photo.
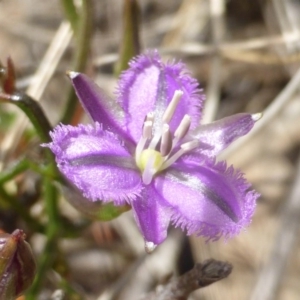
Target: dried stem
(200, 276)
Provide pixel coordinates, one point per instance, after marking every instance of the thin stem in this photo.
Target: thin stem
(33, 111)
(16, 169)
(71, 13)
(42, 76)
(52, 233)
(23, 165)
(83, 35)
(130, 45)
(70, 291)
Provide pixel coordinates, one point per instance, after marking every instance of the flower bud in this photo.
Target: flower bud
(17, 265)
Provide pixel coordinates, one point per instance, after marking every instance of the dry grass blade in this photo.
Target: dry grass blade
(37, 86)
(217, 10)
(270, 112)
(273, 272)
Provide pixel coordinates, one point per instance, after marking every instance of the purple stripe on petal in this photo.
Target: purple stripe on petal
(97, 104)
(216, 136)
(209, 200)
(96, 162)
(149, 85)
(152, 215)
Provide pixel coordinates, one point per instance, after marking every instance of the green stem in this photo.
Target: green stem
(16, 169)
(83, 37)
(69, 290)
(130, 45)
(71, 13)
(33, 111)
(15, 205)
(24, 164)
(52, 232)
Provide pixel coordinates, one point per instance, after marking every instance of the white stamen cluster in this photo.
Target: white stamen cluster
(148, 158)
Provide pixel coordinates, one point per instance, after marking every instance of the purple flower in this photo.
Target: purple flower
(148, 150)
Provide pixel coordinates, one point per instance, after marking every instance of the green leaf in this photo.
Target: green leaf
(109, 212)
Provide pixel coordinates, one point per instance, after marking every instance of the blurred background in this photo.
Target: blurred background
(246, 57)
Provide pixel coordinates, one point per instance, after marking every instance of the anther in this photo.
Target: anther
(183, 127)
(150, 117)
(166, 140)
(147, 134)
(186, 147)
(169, 112)
(147, 129)
(190, 145)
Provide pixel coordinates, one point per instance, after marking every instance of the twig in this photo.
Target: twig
(200, 276)
(273, 272)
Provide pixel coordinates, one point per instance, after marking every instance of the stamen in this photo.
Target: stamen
(149, 171)
(147, 129)
(150, 117)
(169, 112)
(147, 134)
(155, 141)
(186, 147)
(183, 127)
(190, 145)
(166, 140)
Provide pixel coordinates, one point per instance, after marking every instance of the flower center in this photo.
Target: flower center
(156, 152)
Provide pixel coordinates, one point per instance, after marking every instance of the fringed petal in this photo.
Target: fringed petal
(98, 105)
(216, 136)
(96, 162)
(209, 200)
(149, 85)
(152, 216)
